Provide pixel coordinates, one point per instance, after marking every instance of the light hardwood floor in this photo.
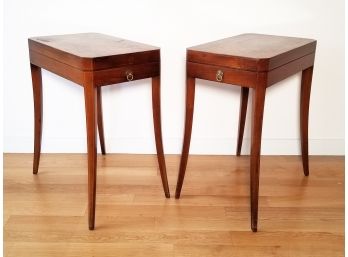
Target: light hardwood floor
(45, 214)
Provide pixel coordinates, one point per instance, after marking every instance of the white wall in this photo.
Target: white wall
(174, 25)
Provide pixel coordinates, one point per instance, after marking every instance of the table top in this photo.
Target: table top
(92, 45)
(93, 51)
(252, 51)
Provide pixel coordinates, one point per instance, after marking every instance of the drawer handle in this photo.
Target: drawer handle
(219, 75)
(129, 75)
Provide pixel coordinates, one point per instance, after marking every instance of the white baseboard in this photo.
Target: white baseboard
(212, 146)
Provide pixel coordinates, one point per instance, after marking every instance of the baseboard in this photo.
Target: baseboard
(212, 146)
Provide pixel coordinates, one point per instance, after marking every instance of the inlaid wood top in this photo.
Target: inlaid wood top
(90, 51)
(92, 45)
(252, 51)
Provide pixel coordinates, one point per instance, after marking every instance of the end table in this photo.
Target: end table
(93, 60)
(253, 61)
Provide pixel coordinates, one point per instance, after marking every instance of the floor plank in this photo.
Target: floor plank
(46, 214)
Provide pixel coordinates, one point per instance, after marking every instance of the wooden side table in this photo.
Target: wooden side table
(94, 60)
(251, 61)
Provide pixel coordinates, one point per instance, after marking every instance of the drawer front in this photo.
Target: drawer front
(126, 73)
(222, 74)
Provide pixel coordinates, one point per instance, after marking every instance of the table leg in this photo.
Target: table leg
(100, 120)
(242, 114)
(90, 102)
(156, 110)
(37, 93)
(306, 83)
(256, 132)
(190, 98)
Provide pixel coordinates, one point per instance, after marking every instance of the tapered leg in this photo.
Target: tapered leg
(190, 98)
(90, 103)
(242, 113)
(306, 83)
(256, 132)
(100, 120)
(37, 92)
(156, 110)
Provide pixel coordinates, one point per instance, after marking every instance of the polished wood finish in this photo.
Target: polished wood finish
(231, 76)
(94, 51)
(254, 61)
(59, 68)
(93, 60)
(37, 93)
(100, 120)
(249, 78)
(306, 82)
(289, 69)
(45, 215)
(255, 151)
(190, 100)
(91, 123)
(253, 52)
(117, 75)
(242, 115)
(156, 106)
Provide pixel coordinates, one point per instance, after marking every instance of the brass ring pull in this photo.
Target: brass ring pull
(129, 75)
(219, 75)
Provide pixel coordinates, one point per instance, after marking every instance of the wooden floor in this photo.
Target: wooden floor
(45, 214)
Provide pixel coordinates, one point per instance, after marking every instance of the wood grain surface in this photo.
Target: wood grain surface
(253, 52)
(93, 51)
(93, 60)
(252, 61)
(46, 214)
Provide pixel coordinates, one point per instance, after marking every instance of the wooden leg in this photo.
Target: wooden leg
(90, 103)
(100, 120)
(190, 98)
(37, 92)
(242, 114)
(306, 83)
(156, 110)
(256, 132)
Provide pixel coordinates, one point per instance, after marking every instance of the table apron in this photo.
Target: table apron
(100, 77)
(118, 75)
(249, 78)
(289, 69)
(59, 68)
(230, 76)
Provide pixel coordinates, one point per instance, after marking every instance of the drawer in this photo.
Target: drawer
(222, 74)
(101, 77)
(126, 73)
